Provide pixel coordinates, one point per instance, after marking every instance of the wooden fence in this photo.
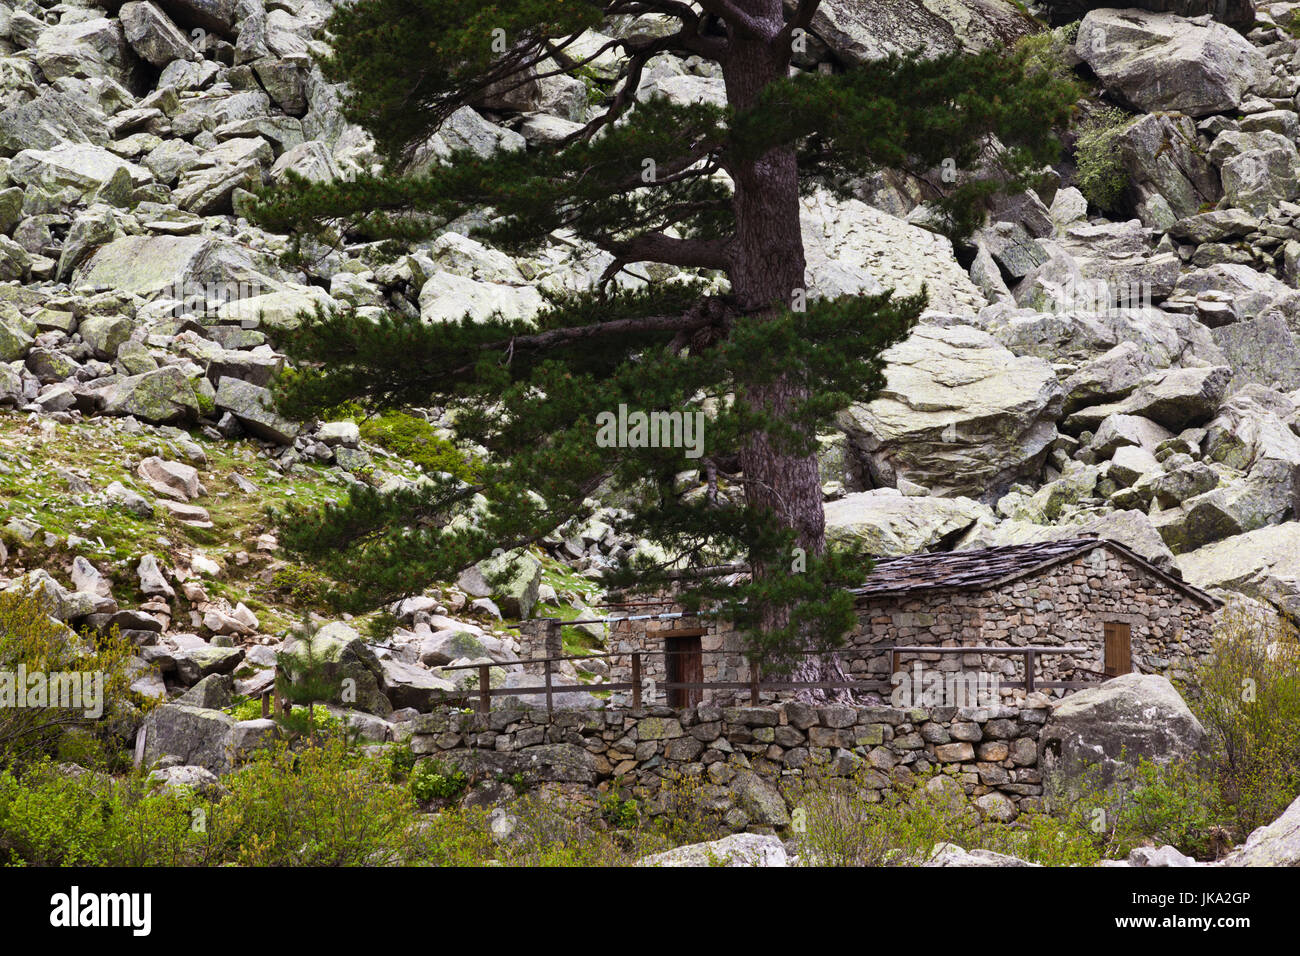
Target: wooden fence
(484, 693)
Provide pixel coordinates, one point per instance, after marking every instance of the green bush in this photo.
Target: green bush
(61, 816)
(1102, 178)
(1173, 804)
(551, 830)
(248, 708)
(48, 818)
(400, 759)
(433, 780)
(324, 806)
(31, 639)
(844, 822)
(302, 587)
(1247, 695)
(1048, 51)
(621, 813)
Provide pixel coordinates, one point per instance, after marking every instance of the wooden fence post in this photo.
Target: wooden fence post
(636, 679)
(753, 683)
(1029, 672)
(550, 706)
(484, 688)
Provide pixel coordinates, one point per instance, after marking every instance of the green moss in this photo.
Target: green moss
(414, 439)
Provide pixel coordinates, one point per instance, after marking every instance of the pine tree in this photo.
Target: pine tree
(304, 678)
(709, 189)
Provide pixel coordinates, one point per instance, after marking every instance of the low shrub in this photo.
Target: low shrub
(34, 641)
(65, 816)
(621, 813)
(844, 822)
(1247, 695)
(1102, 178)
(1175, 804)
(433, 780)
(323, 806)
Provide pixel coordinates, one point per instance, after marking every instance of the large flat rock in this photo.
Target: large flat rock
(959, 414)
(150, 266)
(858, 32)
(852, 248)
(1238, 562)
(1161, 62)
(891, 525)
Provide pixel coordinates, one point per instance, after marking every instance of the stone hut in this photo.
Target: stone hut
(1116, 611)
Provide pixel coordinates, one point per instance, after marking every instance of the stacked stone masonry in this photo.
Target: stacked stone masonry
(1066, 605)
(1063, 605)
(751, 759)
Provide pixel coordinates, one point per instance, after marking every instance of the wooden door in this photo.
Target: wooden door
(1119, 649)
(685, 666)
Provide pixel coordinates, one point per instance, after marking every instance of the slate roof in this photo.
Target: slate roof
(983, 568)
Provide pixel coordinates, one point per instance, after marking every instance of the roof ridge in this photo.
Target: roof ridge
(996, 565)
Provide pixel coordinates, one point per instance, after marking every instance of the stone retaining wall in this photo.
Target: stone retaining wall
(748, 759)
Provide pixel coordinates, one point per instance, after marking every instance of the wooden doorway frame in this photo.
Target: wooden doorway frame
(684, 663)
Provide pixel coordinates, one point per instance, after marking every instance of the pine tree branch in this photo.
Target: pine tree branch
(684, 253)
(801, 20)
(737, 19)
(708, 312)
(687, 38)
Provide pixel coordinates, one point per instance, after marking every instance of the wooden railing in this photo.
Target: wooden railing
(484, 692)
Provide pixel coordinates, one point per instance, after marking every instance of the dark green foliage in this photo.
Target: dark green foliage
(301, 587)
(1102, 178)
(910, 114)
(545, 445)
(413, 62)
(619, 811)
(53, 816)
(401, 761)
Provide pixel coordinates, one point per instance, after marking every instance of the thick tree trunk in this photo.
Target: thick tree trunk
(767, 266)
